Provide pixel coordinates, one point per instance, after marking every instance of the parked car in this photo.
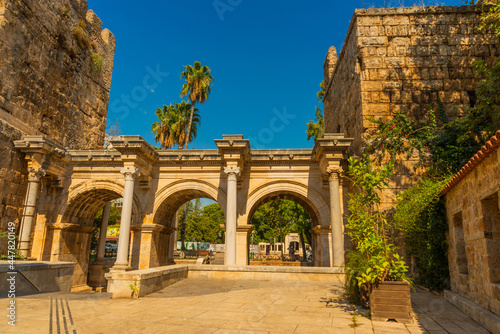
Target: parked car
(110, 248)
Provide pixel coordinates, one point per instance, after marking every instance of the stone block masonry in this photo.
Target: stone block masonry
(56, 64)
(403, 59)
(473, 215)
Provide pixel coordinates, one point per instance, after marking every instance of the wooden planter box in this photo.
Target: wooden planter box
(391, 301)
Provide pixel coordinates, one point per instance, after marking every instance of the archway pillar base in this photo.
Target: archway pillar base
(243, 233)
(96, 275)
(153, 246)
(71, 243)
(322, 237)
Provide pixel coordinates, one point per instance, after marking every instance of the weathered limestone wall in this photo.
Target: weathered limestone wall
(403, 59)
(474, 234)
(48, 84)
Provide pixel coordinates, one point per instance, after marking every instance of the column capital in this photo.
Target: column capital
(334, 173)
(130, 173)
(232, 172)
(35, 174)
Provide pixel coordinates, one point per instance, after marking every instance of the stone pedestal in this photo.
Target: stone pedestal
(243, 233)
(71, 242)
(96, 275)
(322, 246)
(154, 245)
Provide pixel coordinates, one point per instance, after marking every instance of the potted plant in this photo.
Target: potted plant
(375, 272)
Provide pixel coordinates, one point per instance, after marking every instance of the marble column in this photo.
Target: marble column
(230, 252)
(29, 211)
(336, 218)
(102, 236)
(121, 263)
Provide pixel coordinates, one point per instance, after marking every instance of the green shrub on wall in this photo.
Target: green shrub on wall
(421, 215)
(96, 62)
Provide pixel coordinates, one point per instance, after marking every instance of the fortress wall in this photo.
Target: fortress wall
(404, 59)
(49, 84)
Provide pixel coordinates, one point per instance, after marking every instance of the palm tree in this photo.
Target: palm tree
(172, 127)
(162, 130)
(197, 88)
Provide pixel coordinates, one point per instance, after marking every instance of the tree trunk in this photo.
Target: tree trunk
(188, 133)
(303, 243)
(186, 141)
(183, 228)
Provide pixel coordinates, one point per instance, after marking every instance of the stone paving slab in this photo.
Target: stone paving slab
(225, 306)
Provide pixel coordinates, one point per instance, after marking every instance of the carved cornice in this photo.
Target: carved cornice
(43, 153)
(331, 142)
(244, 228)
(71, 227)
(320, 229)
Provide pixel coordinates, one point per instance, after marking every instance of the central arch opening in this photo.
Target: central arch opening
(281, 235)
(197, 222)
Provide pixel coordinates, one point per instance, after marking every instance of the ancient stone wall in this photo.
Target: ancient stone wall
(404, 59)
(473, 216)
(55, 74)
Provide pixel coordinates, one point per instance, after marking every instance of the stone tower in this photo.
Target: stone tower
(56, 64)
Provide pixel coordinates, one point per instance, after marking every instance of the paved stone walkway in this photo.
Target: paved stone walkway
(217, 306)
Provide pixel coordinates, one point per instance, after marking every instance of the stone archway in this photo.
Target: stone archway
(69, 238)
(158, 224)
(153, 182)
(313, 202)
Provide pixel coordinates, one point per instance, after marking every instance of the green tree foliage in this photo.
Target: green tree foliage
(203, 223)
(421, 215)
(444, 146)
(196, 88)
(172, 127)
(321, 92)
(374, 258)
(291, 216)
(114, 218)
(316, 129)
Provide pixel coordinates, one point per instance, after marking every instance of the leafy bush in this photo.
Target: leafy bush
(374, 258)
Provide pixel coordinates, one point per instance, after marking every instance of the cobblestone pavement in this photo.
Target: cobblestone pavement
(224, 306)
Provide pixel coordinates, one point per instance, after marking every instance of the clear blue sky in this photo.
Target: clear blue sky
(266, 58)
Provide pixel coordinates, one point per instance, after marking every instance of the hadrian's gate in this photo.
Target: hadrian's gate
(68, 187)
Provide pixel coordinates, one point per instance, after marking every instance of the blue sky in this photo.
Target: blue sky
(266, 58)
